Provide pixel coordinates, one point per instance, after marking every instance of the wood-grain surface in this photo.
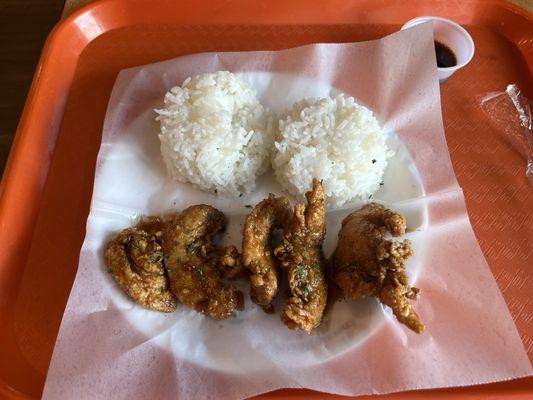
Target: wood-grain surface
(24, 25)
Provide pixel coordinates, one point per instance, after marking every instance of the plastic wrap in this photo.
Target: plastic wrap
(510, 111)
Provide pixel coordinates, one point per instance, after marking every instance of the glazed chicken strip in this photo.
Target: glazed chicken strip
(135, 260)
(258, 256)
(365, 264)
(195, 265)
(301, 253)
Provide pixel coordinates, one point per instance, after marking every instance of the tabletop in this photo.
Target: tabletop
(24, 26)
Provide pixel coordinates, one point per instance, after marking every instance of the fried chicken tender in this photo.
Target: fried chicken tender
(365, 264)
(229, 261)
(195, 265)
(135, 260)
(258, 256)
(301, 253)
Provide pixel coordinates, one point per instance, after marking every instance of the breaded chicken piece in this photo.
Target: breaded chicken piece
(229, 261)
(366, 264)
(301, 253)
(135, 260)
(257, 253)
(195, 265)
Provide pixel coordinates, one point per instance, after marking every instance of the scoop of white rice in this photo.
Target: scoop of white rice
(336, 140)
(215, 133)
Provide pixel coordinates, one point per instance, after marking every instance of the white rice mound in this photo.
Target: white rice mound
(215, 133)
(335, 140)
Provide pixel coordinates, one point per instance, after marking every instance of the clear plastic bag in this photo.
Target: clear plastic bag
(511, 111)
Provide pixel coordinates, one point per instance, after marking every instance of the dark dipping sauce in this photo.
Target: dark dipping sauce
(445, 56)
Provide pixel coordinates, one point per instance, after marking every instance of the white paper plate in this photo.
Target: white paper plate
(133, 181)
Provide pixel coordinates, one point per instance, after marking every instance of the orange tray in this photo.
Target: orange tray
(46, 188)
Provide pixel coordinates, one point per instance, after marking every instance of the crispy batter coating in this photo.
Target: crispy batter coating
(301, 253)
(135, 260)
(229, 261)
(258, 256)
(195, 265)
(365, 264)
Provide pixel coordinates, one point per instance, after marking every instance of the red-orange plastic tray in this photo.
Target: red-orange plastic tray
(46, 187)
